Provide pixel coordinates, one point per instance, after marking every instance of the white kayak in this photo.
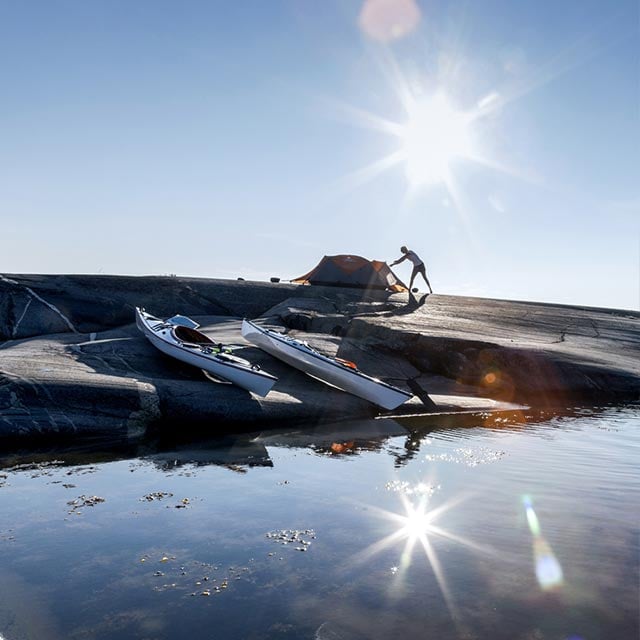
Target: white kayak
(335, 372)
(178, 337)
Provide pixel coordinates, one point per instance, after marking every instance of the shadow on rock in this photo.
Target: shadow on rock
(413, 304)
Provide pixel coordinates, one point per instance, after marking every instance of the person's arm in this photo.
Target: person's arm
(398, 260)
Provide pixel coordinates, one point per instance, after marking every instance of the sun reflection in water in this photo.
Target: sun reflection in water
(417, 521)
(416, 530)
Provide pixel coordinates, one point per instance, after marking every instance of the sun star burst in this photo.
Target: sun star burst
(434, 135)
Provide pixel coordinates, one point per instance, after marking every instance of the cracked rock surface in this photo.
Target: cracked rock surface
(73, 363)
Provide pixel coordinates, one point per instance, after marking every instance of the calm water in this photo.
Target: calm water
(514, 526)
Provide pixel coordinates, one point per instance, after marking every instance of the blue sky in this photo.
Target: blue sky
(226, 139)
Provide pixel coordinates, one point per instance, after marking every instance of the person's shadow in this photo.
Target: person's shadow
(412, 305)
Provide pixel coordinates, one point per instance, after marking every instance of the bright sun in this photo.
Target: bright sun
(433, 136)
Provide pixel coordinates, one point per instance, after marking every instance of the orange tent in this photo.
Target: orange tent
(352, 271)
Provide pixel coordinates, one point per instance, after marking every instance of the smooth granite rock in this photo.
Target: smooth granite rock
(73, 364)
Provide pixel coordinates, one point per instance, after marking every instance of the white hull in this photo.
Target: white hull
(326, 369)
(162, 335)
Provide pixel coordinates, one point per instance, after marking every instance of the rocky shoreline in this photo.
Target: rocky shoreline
(72, 362)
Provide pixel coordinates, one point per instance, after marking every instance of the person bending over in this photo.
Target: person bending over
(418, 266)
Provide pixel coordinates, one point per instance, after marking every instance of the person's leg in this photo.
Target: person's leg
(423, 271)
(414, 273)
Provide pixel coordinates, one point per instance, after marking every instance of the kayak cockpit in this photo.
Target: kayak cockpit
(192, 336)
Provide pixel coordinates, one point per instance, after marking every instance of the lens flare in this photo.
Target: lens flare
(547, 568)
(388, 20)
(490, 378)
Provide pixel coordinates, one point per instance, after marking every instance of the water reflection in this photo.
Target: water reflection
(241, 451)
(240, 455)
(326, 535)
(234, 452)
(345, 438)
(358, 436)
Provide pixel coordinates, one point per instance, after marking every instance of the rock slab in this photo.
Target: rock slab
(73, 363)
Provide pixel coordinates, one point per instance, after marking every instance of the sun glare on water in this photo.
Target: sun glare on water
(433, 137)
(415, 530)
(416, 522)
